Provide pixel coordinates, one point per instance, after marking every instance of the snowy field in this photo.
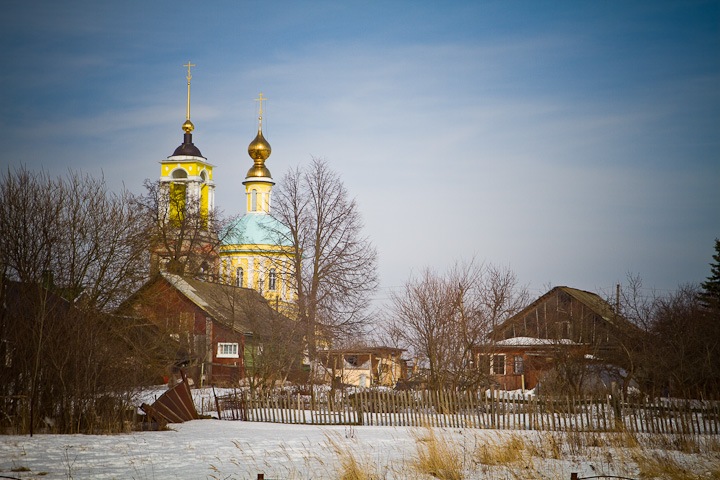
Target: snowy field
(214, 449)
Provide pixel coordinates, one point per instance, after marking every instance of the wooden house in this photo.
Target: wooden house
(563, 326)
(218, 329)
(364, 367)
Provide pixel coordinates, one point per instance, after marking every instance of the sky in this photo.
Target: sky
(574, 142)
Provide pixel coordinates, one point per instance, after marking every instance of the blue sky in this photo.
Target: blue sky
(574, 142)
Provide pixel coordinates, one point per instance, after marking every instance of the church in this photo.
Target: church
(221, 297)
(253, 252)
(224, 292)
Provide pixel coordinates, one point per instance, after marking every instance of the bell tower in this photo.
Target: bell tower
(185, 202)
(186, 177)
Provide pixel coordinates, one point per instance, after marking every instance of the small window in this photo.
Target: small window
(272, 279)
(239, 277)
(498, 365)
(227, 350)
(518, 365)
(253, 201)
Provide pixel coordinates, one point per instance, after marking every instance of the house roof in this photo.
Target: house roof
(229, 305)
(364, 350)
(591, 300)
(534, 342)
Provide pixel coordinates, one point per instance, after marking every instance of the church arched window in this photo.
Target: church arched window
(239, 274)
(272, 279)
(179, 173)
(253, 200)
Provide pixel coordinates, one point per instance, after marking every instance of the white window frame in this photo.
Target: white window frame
(272, 280)
(228, 350)
(518, 361)
(493, 371)
(253, 200)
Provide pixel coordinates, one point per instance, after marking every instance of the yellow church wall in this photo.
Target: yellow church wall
(180, 174)
(204, 199)
(262, 200)
(256, 262)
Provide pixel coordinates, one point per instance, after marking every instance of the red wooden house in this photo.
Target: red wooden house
(212, 325)
(565, 327)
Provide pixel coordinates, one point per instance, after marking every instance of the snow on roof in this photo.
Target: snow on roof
(526, 341)
(185, 288)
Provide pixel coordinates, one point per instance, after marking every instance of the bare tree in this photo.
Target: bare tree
(333, 264)
(184, 238)
(677, 343)
(273, 343)
(74, 230)
(69, 249)
(686, 344)
(444, 319)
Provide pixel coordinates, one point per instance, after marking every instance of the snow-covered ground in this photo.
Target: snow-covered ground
(203, 449)
(217, 449)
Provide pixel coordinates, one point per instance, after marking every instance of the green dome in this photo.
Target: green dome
(258, 229)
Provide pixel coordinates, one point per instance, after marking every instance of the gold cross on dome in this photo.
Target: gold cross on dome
(189, 65)
(189, 77)
(261, 99)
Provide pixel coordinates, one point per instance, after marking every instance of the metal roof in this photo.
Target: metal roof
(258, 229)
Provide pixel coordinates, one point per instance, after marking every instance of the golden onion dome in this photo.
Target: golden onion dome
(258, 171)
(259, 150)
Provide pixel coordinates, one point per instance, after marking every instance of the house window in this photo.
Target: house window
(518, 365)
(239, 277)
(271, 279)
(498, 365)
(227, 350)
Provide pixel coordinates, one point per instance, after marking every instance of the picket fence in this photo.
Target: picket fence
(489, 409)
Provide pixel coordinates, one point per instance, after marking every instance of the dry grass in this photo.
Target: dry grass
(624, 439)
(549, 446)
(712, 444)
(438, 457)
(666, 466)
(350, 467)
(459, 454)
(509, 451)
